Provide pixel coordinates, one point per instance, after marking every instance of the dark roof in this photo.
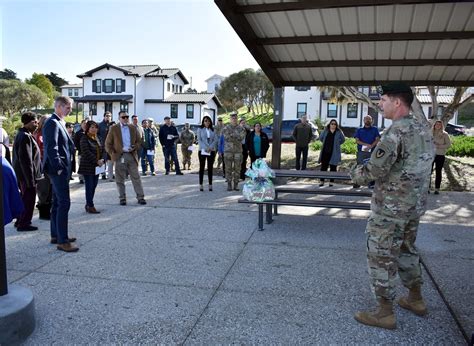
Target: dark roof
(140, 70)
(167, 72)
(357, 42)
(103, 98)
(107, 66)
(202, 98)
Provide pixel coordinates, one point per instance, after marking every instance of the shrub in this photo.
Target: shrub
(316, 145)
(461, 146)
(11, 125)
(348, 147)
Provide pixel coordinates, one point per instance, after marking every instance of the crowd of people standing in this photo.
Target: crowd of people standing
(44, 156)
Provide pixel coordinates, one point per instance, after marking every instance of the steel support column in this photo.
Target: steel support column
(276, 135)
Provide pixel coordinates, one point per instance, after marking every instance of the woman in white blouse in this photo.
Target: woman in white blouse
(207, 140)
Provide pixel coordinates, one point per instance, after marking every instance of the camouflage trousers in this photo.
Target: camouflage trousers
(232, 162)
(391, 250)
(186, 155)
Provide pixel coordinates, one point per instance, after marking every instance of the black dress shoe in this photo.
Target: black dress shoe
(55, 240)
(179, 173)
(123, 202)
(167, 173)
(27, 229)
(141, 201)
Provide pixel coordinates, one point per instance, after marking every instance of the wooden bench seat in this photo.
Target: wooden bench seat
(312, 190)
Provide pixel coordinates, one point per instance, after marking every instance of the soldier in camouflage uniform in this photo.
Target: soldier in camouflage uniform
(218, 129)
(234, 134)
(187, 138)
(400, 165)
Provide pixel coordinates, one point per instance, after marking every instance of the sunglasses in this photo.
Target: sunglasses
(125, 117)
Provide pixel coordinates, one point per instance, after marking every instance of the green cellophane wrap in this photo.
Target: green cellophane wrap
(259, 187)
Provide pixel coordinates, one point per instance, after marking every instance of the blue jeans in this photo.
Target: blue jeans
(150, 159)
(61, 205)
(171, 151)
(90, 184)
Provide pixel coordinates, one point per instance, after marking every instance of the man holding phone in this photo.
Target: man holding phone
(123, 144)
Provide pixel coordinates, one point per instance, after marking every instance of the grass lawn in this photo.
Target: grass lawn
(264, 119)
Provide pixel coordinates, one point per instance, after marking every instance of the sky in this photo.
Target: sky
(70, 37)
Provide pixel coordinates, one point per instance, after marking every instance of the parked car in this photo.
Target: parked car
(193, 127)
(287, 127)
(77, 127)
(456, 130)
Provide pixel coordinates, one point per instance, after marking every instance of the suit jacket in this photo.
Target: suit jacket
(58, 147)
(114, 144)
(26, 158)
(204, 142)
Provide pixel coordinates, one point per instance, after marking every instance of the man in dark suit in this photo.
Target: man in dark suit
(57, 163)
(27, 165)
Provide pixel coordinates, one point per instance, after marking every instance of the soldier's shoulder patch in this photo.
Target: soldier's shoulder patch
(380, 153)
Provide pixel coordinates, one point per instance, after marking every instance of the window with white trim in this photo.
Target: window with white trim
(301, 109)
(332, 110)
(189, 111)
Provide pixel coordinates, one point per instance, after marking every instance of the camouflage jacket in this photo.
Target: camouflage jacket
(187, 138)
(218, 130)
(233, 137)
(400, 165)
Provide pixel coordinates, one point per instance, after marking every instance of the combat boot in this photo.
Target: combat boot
(236, 185)
(414, 302)
(382, 317)
(229, 185)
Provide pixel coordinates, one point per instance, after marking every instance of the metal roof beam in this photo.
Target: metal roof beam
(243, 28)
(406, 36)
(359, 83)
(324, 4)
(373, 63)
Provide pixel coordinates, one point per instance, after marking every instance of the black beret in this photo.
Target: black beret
(396, 88)
(27, 117)
(167, 117)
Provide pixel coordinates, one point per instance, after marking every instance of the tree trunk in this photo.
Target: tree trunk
(434, 101)
(449, 111)
(418, 110)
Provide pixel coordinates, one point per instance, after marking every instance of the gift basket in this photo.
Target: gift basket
(260, 186)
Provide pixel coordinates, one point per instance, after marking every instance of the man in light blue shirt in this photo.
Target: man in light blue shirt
(122, 144)
(125, 134)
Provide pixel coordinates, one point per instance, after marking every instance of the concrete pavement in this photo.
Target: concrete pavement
(190, 268)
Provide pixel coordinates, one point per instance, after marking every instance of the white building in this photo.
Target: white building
(214, 82)
(315, 104)
(145, 90)
(72, 90)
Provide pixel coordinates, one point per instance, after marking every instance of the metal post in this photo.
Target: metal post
(269, 213)
(276, 135)
(3, 260)
(260, 217)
